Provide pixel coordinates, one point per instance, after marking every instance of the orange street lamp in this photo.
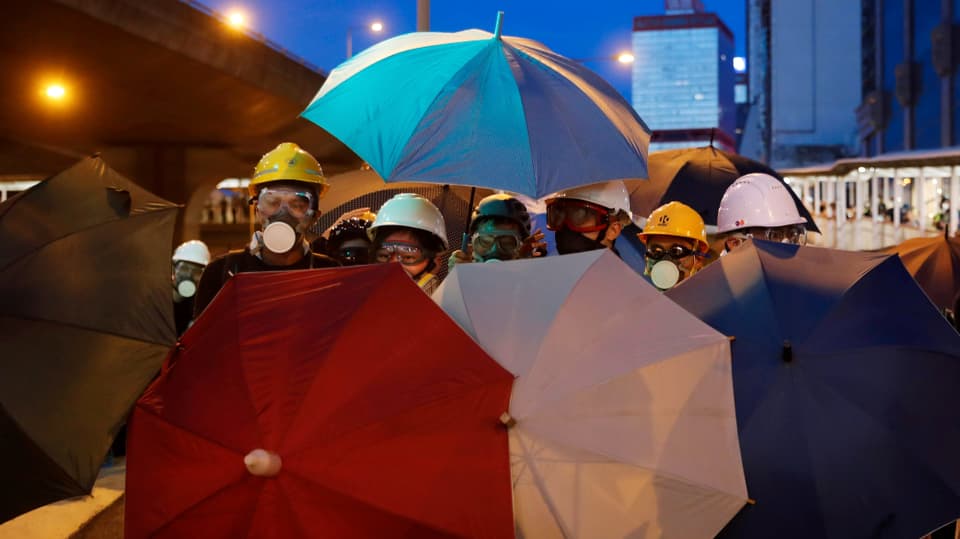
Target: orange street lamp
(625, 57)
(237, 19)
(55, 92)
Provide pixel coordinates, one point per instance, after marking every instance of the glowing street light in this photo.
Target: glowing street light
(237, 19)
(55, 92)
(375, 27)
(625, 57)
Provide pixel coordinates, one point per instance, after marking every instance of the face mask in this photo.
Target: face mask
(186, 275)
(664, 274)
(282, 231)
(186, 288)
(569, 242)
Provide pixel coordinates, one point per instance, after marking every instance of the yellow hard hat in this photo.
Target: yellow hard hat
(678, 220)
(288, 162)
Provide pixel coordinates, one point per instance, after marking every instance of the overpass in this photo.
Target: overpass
(167, 93)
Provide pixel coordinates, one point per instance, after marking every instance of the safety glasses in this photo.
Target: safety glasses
(272, 200)
(674, 252)
(795, 234)
(407, 254)
(506, 243)
(576, 215)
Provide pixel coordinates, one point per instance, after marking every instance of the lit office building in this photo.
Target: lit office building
(683, 77)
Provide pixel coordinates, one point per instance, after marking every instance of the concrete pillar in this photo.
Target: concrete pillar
(875, 197)
(860, 196)
(897, 196)
(841, 200)
(954, 200)
(920, 195)
(816, 195)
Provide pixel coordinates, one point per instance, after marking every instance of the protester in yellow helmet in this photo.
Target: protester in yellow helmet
(676, 244)
(285, 190)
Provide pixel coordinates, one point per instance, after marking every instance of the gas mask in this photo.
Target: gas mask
(569, 241)
(186, 275)
(286, 214)
(491, 243)
(663, 265)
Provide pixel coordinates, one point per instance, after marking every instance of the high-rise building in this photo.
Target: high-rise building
(683, 79)
(909, 65)
(804, 81)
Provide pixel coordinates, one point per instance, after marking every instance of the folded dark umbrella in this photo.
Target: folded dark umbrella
(85, 321)
(698, 177)
(935, 264)
(845, 380)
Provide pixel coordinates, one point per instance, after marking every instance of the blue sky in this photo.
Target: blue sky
(316, 29)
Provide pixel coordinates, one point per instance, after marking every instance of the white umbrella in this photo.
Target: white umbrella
(622, 418)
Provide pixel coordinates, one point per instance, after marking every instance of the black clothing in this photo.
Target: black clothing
(215, 275)
(182, 314)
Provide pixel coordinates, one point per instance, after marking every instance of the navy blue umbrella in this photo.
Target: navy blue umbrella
(847, 386)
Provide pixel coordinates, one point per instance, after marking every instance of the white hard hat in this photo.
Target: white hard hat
(612, 195)
(411, 211)
(757, 200)
(192, 251)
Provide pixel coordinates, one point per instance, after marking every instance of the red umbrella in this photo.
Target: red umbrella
(380, 412)
(935, 264)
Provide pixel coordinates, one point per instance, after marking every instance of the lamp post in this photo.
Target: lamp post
(375, 27)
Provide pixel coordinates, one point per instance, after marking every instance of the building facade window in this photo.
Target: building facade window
(892, 55)
(926, 17)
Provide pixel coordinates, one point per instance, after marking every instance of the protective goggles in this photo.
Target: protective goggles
(272, 200)
(352, 256)
(577, 215)
(507, 244)
(795, 234)
(674, 252)
(406, 253)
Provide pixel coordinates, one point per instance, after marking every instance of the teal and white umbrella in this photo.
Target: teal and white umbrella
(481, 109)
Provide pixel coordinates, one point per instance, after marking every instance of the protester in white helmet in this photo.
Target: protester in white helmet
(589, 217)
(189, 259)
(410, 230)
(759, 206)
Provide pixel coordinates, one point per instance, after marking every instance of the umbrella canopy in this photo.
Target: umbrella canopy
(935, 264)
(85, 322)
(383, 413)
(846, 390)
(698, 177)
(623, 402)
(475, 108)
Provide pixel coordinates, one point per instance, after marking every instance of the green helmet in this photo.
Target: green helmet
(501, 206)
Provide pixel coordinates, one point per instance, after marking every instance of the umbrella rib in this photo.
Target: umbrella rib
(132, 216)
(880, 425)
(399, 412)
(654, 471)
(544, 493)
(46, 456)
(84, 328)
(367, 503)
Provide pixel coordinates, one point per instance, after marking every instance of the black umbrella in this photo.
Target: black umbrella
(698, 177)
(85, 321)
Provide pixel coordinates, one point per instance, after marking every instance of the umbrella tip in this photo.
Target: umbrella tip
(507, 420)
(263, 463)
(498, 28)
(787, 352)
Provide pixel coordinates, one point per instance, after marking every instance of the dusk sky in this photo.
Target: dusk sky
(316, 29)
